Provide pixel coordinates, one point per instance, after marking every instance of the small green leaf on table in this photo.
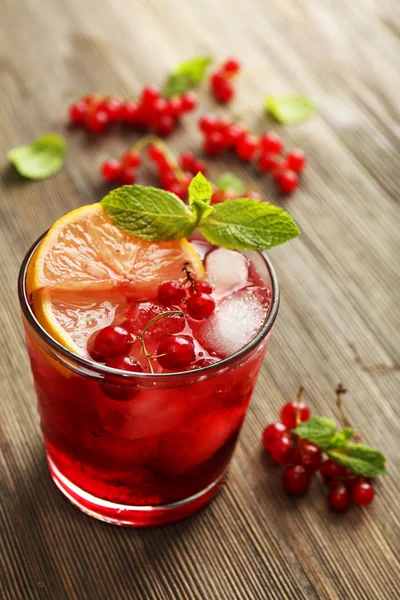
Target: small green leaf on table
(360, 459)
(186, 75)
(40, 159)
(230, 181)
(290, 109)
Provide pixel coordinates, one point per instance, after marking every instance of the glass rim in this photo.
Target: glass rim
(104, 369)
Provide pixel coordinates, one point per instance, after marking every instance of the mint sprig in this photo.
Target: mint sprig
(186, 75)
(157, 215)
(40, 159)
(290, 109)
(359, 458)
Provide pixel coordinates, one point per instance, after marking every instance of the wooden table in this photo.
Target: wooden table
(339, 280)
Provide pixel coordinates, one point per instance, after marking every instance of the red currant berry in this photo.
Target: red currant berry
(149, 95)
(281, 450)
(233, 134)
(167, 178)
(296, 160)
(287, 181)
(231, 66)
(177, 351)
(200, 306)
(113, 107)
(271, 142)
(224, 92)
(213, 144)
(159, 108)
(218, 196)
(200, 167)
(156, 154)
(268, 162)
(311, 456)
(128, 175)
(178, 188)
(119, 388)
(295, 480)
(88, 99)
(362, 493)
(290, 411)
(170, 292)
(164, 125)
(130, 113)
(97, 121)
(202, 287)
(216, 80)
(207, 123)
(131, 159)
(174, 107)
(331, 470)
(189, 101)
(187, 160)
(271, 433)
(246, 147)
(111, 170)
(77, 112)
(110, 342)
(339, 498)
(222, 124)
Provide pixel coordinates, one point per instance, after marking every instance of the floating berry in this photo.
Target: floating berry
(246, 147)
(176, 351)
(131, 159)
(111, 170)
(287, 181)
(339, 498)
(271, 142)
(200, 306)
(119, 388)
(295, 480)
(170, 292)
(128, 175)
(271, 433)
(291, 410)
(296, 160)
(362, 493)
(110, 342)
(201, 287)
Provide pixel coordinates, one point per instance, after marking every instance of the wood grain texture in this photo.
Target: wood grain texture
(340, 284)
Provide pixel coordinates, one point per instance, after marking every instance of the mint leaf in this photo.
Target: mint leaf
(229, 181)
(248, 224)
(341, 438)
(200, 189)
(317, 430)
(360, 459)
(186, 75)
(290, 109)
(149, 213)
(40, 159)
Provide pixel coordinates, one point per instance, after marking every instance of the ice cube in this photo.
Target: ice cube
(226, 270)
(235, 322)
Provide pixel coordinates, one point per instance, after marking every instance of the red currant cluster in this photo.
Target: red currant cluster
(221, 81)
(266, 150)
(302, 460)
(123, 170)
(151, 111)
(113, 344)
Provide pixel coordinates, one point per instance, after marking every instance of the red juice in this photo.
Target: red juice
(153, 447)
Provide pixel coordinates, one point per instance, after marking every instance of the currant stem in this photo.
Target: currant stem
(143, 348)
(145, 141)
(377, 368)
(298, 400)
(340, 391)
(189, 276)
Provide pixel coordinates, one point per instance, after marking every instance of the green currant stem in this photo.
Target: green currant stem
(143, 349)
(145, 141)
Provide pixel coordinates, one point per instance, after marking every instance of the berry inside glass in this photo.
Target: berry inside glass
(143, 382)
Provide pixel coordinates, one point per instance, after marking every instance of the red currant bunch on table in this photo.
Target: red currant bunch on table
(287, 444)
(266, 150)
(221, 81)
(151, 111)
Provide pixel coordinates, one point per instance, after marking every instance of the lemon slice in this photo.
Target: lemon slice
(85, 267)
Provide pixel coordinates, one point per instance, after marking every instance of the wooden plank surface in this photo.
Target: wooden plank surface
(340, 284)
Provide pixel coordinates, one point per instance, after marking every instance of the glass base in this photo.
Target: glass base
(132, 516)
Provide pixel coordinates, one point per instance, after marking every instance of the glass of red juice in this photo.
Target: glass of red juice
(157, 448)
